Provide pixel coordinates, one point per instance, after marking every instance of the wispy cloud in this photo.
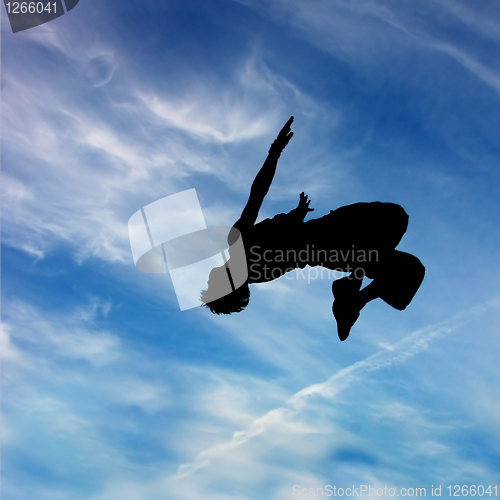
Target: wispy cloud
(105, 111)
(284, 416)
(79, 175)
(349, 29)
(484, 24)
(71, 337)
(487, 75)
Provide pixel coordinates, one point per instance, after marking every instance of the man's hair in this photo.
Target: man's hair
(235, 301)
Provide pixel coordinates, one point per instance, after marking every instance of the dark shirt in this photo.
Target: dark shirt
(350, 236)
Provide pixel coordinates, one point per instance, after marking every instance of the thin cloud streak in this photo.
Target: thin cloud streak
(473, 65)
(354, 20)
(406, 348)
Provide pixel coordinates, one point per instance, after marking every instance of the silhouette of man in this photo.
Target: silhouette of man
(359, 239)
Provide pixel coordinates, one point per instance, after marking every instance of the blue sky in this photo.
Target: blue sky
(109, 391)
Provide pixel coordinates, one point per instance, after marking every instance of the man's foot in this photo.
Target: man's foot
(346, 306)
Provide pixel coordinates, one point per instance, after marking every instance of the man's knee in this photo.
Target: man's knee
(400, 276)
(399, 218)
(414, 273)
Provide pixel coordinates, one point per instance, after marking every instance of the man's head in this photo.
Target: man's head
(220, 297)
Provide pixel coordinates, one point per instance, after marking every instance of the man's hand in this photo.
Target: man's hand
(282, 140)
(303, 206)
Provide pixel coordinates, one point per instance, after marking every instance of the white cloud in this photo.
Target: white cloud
(82, 170)
(250, 108)
(132, 391)
(71, 336)
(222, 122)
(283, 417)
(9, 354)
(277, 440)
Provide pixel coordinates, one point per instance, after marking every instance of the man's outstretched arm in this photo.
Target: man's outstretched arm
(302, 209)
(264, 178)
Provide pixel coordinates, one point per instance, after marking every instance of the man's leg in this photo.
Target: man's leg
(346, 306)
(396, 279)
